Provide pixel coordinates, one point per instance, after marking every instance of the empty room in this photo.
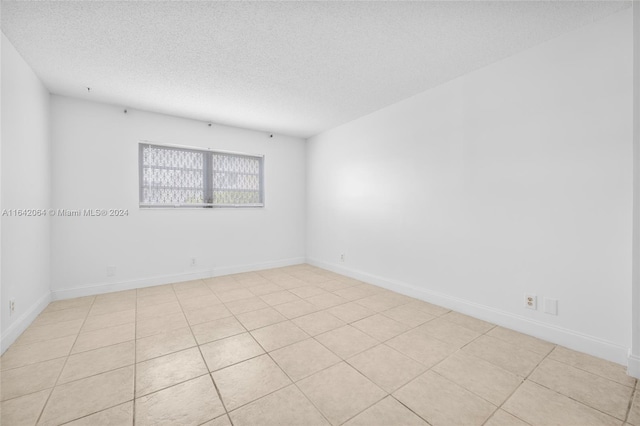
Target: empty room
(320, 213)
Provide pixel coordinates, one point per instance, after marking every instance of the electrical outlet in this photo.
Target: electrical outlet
(550, 306)
(12, 306)
(342, 257)
(194, 262)
(111, 271)
(531, 301)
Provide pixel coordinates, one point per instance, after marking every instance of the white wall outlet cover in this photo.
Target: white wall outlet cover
(530, 301)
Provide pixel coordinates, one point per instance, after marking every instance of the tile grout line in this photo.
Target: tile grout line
(209, 373)
(274, 361)
(524, 380)
(569, 396)
(265, 353)
(633, 394)
(65, 362)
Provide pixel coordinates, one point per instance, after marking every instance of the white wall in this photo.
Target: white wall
(95, 165)
(515, 178)
(26, 177)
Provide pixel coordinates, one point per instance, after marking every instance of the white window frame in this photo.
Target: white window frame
(207, 177)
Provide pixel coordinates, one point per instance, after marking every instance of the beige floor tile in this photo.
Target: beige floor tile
(116, 296)
(251, 279)
(326, 300)
(529, 343)
(168, 370)
(163, 309)
(595, 391)
(386, 367)
(250, 304)
(291, 283)
(385, 413)
(112, 306)
(249, 380)
(263, 289)
(607, 369)
(296, 309)
(354, 293)
(222, 280)
(200, 302)
(158, 299)
(19, 356)
(471, 323)
(220, 421)
(164, 343)
(104, 337)
(278, 335)
(505, 355)
(382, 301)
(346, 341)
(98, 361)
(120, 415)
(380, 327)
(260, 318)
(279, 297)
(478, 376)
(32, 378)
(231, 350)
(307, 291)
(286, 407)
(429, 308)
(87, 396)
(502, 418)
(339, 403)
(194, 293)
(156, 290)
(425, 349)
(318, 323)
(304, 358)
(350, 312)
(77, 302)
(61, 316)
(189, 403)
(186, 286)
(23, 411)
(540, 406)
(634, 412)
(380, 290)
(50, 331)
(96, 322)
(409, 315)
(150, 326)
(333, 285)
(441, 402)
(237, 294)
(218, 329)
(211, 313)
(448, 332)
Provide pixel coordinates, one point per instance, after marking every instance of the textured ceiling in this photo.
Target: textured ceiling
(295, 68)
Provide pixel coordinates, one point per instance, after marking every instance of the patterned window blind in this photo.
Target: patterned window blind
(185, 177)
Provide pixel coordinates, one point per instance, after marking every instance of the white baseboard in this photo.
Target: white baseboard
(572, 339)
(101, 288)
(633, 366)
(22, 322)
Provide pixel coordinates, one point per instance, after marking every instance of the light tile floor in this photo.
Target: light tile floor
(295, 346)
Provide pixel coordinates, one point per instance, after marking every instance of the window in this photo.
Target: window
(185, 177)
